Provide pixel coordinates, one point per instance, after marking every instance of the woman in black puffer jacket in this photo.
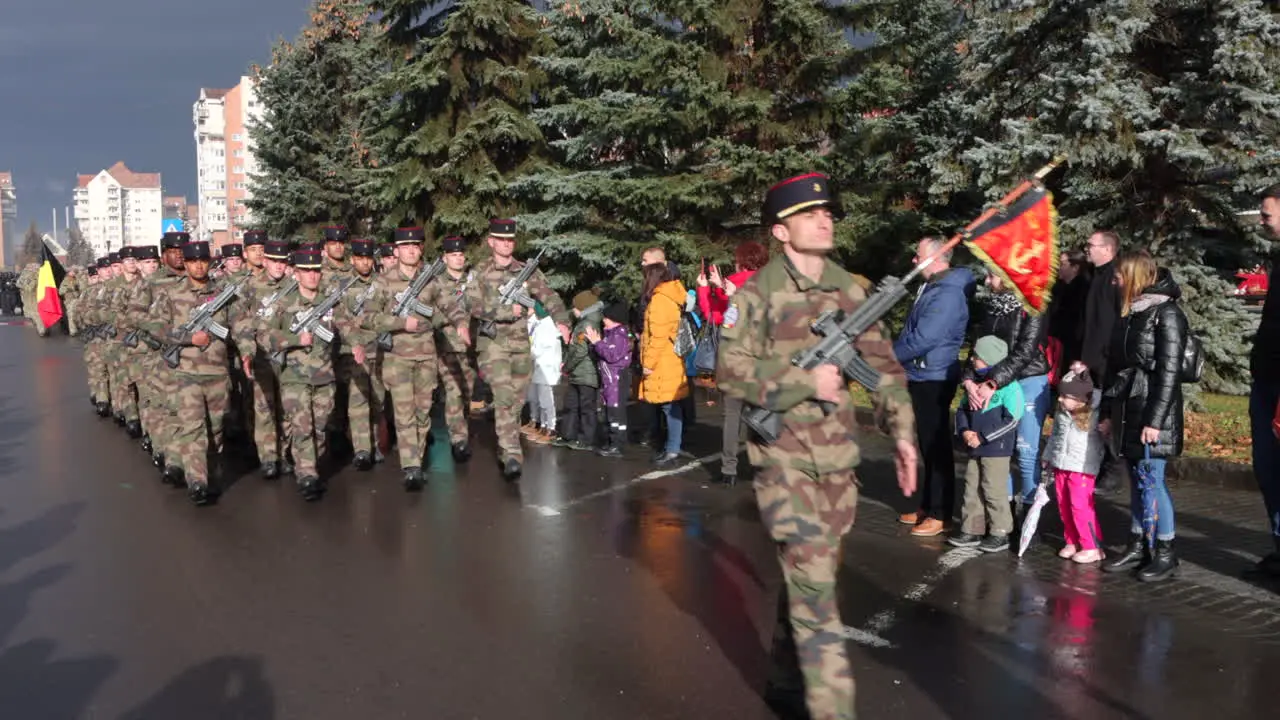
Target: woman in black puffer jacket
(1142, 406)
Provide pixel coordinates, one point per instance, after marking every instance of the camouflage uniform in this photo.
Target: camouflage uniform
(27, 280)
(335, 272)
(307, 379)
(260, 302)
(364, 393)
(70, 289)
(409, 369)
(128, 371)
(505, 361)
(201, 376)
(94, 358)
(158, 384)
(805, 483)
(457, 374)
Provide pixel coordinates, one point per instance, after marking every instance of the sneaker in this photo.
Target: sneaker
(1067, 552)
(1087, 557)
(911, 518)
(994, 543)
(562, 442)
(963, 539)
(579, 445)
(612, 452)
(928, 527)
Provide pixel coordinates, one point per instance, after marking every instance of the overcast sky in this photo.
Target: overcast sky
(84, 83)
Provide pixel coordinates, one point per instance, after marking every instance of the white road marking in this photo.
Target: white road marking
(548, 511)
(871, 633)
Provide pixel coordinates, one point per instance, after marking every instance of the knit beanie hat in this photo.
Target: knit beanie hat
(991, 350)
(1076, 385)
(617, 312)
(584, 300)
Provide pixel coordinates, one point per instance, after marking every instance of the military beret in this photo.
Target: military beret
(114, 258)
(276, 250)
(233, 250)
(174, 240)
(336, 233)
(452, 244)
(386, 250)
(795, 194)
(502, 228)
(363, 248)
(126, 253)
(197, 250)
(255, 237)
(409, 235)
(307, 260)
(146, 252)
(92, 271)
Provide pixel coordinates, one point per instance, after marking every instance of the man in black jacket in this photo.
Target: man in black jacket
(1265, 395)
(1101, 305)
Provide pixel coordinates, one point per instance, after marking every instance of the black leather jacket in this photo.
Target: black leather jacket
(1025, 334)
(1143, 368)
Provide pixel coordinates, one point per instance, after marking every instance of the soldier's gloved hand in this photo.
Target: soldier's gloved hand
(304, 339)
(412, 324)
(828, 384)
(200, 339)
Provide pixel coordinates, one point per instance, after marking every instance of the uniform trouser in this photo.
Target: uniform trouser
(364, 407)
(808, 515)
(202, 403)
(580, 404)
(166, 385)
(730, 434)
(122, 398)
(129, 373)
(266, 411)
(507, 371)
(307, 409)
(412, 383)
(459, 379)
(99, 384)
(150, 408)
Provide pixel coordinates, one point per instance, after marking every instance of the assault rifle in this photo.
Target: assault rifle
(201, 320)
(407, 302)
(280, 292)
(309, 321)
(131, 340)
(839, 331)
(512, 292)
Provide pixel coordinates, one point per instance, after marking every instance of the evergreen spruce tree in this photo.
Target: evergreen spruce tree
(79, 251)
(458, 126)
(1168, 110)
(669, 119)
(311, 144)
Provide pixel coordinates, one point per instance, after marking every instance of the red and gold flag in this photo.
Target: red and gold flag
(1020, 244)
(48, 303)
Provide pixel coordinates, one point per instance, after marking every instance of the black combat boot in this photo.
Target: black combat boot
(134, 428)
(119, 416)
(1163, 566)
(511, 469)
(201, 494)
(363, 461)
(270, 469)
(104, 409)
(286, 467)
(461, 451)
(1131, 557)
(157, 459)
(174, 476)
(414, 479)
(146, 444)
(311, 488)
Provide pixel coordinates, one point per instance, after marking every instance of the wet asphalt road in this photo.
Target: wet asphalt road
(588, 590)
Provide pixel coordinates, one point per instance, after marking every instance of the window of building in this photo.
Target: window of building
(239, 152)
(238, 170)
(236, 137)
(240, 185)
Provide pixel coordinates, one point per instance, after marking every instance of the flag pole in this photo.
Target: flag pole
(1002, 205)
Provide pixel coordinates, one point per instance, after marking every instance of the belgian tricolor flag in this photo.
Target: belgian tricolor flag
(50, 277)
(1020, 243)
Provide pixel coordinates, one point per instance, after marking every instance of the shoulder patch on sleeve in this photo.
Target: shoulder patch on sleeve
(730, 316)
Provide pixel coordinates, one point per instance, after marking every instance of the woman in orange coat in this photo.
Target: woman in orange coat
(664, 382)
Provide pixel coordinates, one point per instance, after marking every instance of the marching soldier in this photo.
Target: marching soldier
(505, 359)
(140, 357)
(95, 350)
(457, 375)
(262, 296)
(255, 252)
(307, 377)
(73, 285)
(111, 346)
(27, 280)
(201, 372)
(409, 367)
(386, 257)
(805, 483)
(357, 357)
(336, 267)
(160, 381)
(233, 260)
(127, 349)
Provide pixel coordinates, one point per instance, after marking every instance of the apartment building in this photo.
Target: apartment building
(118, 207)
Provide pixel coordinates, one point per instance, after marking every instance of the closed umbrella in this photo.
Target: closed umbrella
(1032, 519)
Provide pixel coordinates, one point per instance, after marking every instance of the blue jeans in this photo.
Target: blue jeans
(1266, 450)
(1142, 493)
(674, 413)
(1037, 394)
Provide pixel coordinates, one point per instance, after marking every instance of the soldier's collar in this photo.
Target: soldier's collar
(830, 280)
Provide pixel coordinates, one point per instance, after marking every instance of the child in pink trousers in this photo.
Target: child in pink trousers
(1075, 454)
